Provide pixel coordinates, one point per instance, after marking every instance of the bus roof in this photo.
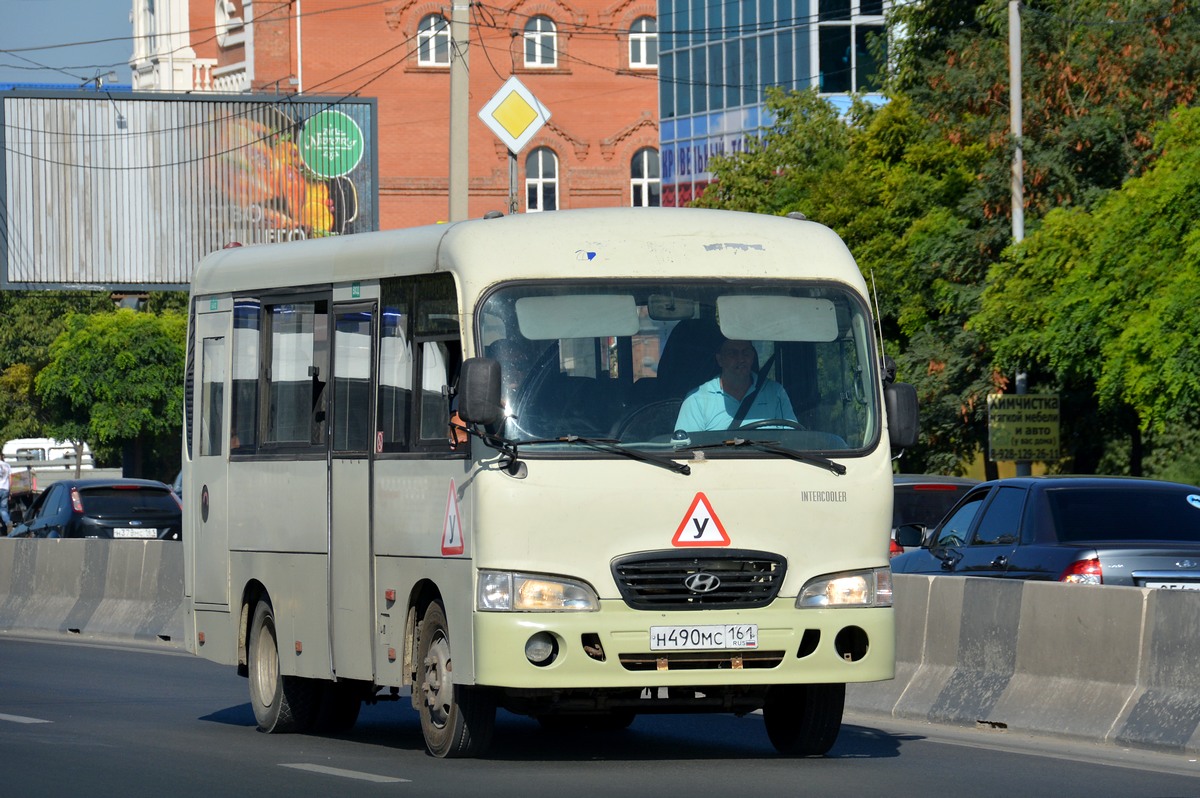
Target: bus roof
(598, 242)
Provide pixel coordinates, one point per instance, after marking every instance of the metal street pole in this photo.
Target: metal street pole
(1018, 169)
(459, 108)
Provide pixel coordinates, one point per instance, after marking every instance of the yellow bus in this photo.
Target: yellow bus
(581, 466)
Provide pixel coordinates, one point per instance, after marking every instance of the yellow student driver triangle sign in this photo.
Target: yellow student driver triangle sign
(700, 526)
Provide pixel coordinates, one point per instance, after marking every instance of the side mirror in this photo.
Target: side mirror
(479, 391)
(904, 423)
(910, 535)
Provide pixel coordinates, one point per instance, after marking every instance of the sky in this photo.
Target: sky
(38, 23)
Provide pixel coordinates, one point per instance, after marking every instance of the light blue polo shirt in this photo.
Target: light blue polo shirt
(708, 407)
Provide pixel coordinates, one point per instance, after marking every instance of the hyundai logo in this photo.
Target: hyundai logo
(702, 582)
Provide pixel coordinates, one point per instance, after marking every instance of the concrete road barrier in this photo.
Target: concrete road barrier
(126, 588)
(1111, 664)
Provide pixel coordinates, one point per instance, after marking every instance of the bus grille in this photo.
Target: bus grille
(731, 579)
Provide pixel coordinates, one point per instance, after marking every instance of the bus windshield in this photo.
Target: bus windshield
(684, 364)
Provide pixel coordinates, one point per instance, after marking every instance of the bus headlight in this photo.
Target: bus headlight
(505, 591)
(871, 588)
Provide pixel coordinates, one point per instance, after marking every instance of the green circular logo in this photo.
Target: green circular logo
(331, 144)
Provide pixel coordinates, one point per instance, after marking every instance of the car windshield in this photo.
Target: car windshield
(102, 501)
(683, 365)
(1110, 513)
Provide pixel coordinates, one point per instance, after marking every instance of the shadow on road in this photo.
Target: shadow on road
(651, 737)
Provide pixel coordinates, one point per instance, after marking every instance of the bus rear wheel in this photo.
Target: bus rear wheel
(804, 719)
(456, 720)
(281, 703)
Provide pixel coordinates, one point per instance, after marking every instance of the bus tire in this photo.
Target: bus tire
(456, 720)
(281, 704)
(804, 719)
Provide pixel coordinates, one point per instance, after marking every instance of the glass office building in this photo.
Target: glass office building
(716, 58)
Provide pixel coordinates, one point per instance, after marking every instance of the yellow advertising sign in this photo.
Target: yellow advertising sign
(1023, 427)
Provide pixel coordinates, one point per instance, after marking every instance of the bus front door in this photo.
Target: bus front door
(350, 573)
(206, 492)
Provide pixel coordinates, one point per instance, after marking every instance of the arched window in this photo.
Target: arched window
(541, 181)
(643, 44)
(433, 41)
(541, 42)
(645, 179)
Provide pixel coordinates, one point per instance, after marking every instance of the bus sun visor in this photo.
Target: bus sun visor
(543, 318)
(777, 318)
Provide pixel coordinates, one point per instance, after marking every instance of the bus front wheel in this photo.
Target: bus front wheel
(456, 720)
(804, 719)
(281, 703)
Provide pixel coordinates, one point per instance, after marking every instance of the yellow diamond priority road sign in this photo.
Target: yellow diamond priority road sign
(514, 114)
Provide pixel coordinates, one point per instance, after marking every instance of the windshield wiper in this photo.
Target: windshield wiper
(613, 446)
(774, 448)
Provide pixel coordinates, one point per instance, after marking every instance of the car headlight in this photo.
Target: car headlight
(505, 591)
(871, 588)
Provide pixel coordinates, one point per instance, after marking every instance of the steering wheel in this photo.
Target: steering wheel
(774, 422)
(663, 408)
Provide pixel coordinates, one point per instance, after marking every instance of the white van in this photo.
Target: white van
(44, 453)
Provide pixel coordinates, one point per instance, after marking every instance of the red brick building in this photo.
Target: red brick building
(592, 63)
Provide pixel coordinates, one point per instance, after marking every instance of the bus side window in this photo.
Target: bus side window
(437, 333)
(299, 370)
(243, 423)
(394, 403)
(212, 391)
(440, 362)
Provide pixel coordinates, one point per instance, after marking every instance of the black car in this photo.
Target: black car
(924, 499)
(135, 509)
(1084, 530)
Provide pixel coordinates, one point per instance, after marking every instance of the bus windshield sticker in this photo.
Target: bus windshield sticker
(452, 535)
(700, 526)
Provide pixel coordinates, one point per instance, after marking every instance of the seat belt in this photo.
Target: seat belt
(748, 400)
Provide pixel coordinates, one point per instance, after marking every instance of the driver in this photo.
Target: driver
(715, 405)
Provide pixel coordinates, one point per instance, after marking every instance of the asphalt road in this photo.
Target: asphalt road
(86, 718)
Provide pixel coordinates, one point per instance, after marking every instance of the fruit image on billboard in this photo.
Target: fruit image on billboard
(292, 180)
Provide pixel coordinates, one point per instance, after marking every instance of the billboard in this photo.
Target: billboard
(1023, 427)
(127, 191)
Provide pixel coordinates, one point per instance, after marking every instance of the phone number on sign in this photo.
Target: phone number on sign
(688, 638)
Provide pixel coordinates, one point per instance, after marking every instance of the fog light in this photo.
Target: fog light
(541, 648)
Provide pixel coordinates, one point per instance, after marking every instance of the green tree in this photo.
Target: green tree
(779, 169)
(31, 322)
(116, 378)
(1106, 298)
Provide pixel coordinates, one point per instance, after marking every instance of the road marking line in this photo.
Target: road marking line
(346, 774)
(20, 719)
